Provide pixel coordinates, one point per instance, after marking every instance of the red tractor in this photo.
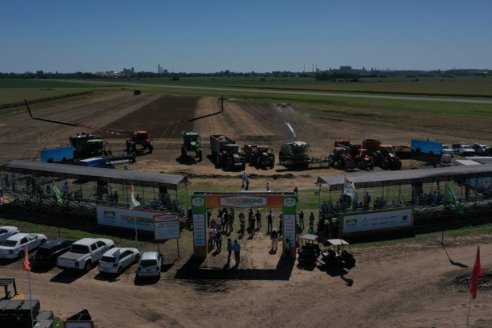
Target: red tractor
(140, 138)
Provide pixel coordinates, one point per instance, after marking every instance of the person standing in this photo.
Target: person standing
(268, 186)
(270, 222)
(237, 252)
(218, 241)
(251, 221)
(311, 222)
(280, 223)
(258, 219)
(301, 220)
(274, 237)
(245, 181)
(229, 250)
(242, 223)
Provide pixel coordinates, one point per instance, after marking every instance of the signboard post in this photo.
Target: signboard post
(166, 226)
(200, 244)
(289, 210)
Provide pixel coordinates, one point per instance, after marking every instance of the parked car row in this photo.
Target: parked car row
(80, 255)
(467, 150)
(14, 242)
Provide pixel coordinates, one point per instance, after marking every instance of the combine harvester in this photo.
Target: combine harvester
(295, 155)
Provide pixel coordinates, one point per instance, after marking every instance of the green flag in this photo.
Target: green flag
(449, 195)
(450, 198)
(58, 194)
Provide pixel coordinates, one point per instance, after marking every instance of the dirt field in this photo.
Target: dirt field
(397, 286)
(393, 286)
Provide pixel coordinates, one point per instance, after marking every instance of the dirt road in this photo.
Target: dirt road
(393, 286)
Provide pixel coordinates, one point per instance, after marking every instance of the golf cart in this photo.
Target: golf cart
(309, 251)
(338, 254)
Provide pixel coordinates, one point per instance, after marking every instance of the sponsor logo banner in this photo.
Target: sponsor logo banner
(244, 201)
(375, 221)
(126, 218)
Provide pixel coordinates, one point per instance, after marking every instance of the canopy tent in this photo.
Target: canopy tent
(388, 178)
(146, 179)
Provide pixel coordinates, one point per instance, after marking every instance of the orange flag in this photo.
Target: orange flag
(26, 264)
(477, 273)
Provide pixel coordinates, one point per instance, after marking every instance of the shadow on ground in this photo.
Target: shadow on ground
(193, 269)
(67, 276)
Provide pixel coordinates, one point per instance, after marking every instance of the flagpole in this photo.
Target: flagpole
(30, 295)
(469, 311)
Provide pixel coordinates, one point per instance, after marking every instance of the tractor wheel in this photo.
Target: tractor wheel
(397, 165)
(217, 161)
(150, 148)
(183, 151)
(385, 164)
(199, 155)
(272, 164)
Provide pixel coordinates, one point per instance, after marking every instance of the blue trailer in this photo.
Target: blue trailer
(427, 150)
(62, 154)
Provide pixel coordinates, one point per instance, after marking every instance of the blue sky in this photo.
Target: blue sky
(243, 36)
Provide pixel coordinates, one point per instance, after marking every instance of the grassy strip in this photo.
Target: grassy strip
(45, 99)
(455, 233)
(462, 87)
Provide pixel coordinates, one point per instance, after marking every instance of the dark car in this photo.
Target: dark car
(47, 253)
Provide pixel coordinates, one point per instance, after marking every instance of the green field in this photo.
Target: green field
(451, 86)
(15, 90)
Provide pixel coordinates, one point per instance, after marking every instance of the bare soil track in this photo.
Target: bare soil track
(394, 286)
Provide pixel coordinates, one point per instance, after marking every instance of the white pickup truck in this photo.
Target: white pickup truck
(84, 253)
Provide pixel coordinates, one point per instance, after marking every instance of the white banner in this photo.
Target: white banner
(199, 229)
(289, 228)
(126, 218)
(381, 220)
(166, 226)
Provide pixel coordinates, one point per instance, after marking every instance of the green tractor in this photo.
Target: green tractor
(191, 143)
(88, 145)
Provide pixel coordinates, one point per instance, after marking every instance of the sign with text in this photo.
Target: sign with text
(377, 220)
(244, 201)
(166, 226)
(126, 218)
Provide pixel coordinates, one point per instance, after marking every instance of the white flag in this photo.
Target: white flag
(348, 187)
(133, 202)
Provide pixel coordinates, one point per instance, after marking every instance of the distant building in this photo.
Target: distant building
(346, 68)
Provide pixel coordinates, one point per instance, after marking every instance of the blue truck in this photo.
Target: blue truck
(64, 154)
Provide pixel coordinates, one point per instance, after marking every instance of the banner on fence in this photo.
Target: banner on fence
(374, 221)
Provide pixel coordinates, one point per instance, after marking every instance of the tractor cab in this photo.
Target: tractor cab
(191, 143)
(364, 159)
(140, 138)
(87, 145)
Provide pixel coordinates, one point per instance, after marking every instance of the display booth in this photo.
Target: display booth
(201, 201)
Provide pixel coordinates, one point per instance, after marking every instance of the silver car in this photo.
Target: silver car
(117, 259)
(7, 231)
(150, 265)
